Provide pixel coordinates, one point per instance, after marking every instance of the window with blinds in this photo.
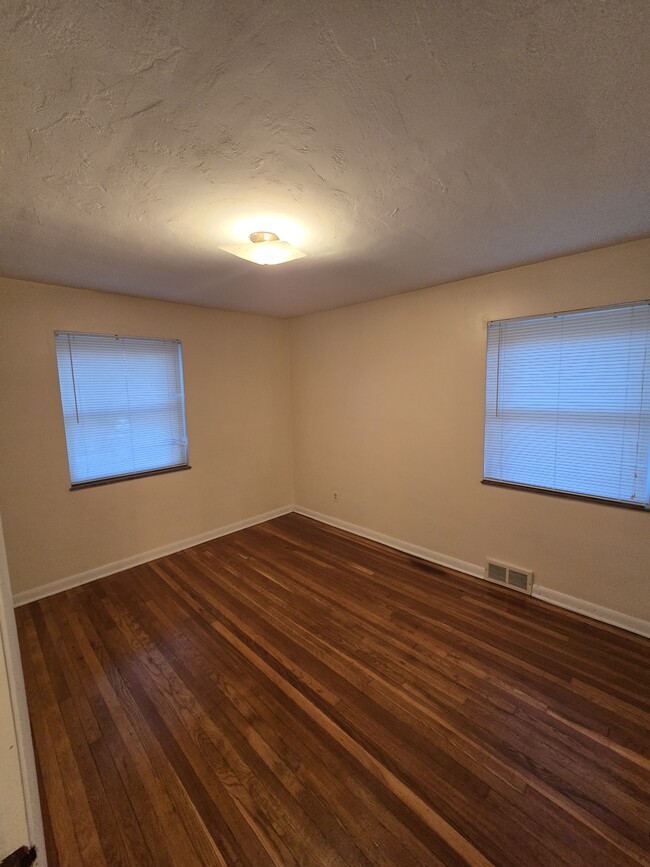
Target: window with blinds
(123, 405)
(568, 403)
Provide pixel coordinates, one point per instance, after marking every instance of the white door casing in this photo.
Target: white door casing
(21, 823)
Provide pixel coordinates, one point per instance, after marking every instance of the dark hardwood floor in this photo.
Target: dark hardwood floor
(294, 695)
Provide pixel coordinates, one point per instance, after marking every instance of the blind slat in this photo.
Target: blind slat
(567, 404)
(123, 404)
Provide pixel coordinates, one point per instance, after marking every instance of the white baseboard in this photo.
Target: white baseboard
(398, 544)
(590, 609)
(580, 606)
(119, 565)
(554, 597)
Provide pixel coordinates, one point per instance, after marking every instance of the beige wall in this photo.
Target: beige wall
(238, 419)
(388, 411)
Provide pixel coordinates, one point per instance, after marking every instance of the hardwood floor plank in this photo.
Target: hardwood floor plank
(70, 809)
(436, 759)
(302, 837)
(294, 695)
(183, 748)
(100, 752)
(331, 750)
(277, 738)
(614, 819)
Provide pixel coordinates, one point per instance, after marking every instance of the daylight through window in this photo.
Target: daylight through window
(568, 403)
(123, 405)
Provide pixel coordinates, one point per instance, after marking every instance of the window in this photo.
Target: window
(123, 405)
(568, 403)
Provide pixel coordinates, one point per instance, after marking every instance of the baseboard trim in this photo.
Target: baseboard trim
(590, 609)
(119, 565)
(398, 544)
(545, 594)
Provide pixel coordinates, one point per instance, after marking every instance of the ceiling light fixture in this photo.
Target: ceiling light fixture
(265, 248)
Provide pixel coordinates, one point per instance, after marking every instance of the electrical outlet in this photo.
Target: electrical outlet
(335, 496)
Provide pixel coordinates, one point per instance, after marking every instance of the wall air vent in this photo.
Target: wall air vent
(509, 576)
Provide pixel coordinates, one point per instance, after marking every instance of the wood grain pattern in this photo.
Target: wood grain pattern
(295, 695)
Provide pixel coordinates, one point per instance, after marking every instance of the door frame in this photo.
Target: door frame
(9, 648)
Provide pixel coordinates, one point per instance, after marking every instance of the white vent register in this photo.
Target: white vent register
(509, 576)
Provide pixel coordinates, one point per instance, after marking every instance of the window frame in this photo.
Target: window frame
(538, 489)
(123, 477)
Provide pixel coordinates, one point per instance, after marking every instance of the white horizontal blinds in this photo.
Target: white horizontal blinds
(122, 403)
(568, 402)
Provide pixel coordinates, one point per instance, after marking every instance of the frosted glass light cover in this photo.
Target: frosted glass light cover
(265, 252)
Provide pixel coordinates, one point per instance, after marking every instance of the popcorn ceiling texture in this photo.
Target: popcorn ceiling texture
(416, 142)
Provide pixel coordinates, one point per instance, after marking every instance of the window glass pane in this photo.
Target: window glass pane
(568, 402)
(123, 404)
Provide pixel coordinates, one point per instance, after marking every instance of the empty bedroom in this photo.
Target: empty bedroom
(325, 441)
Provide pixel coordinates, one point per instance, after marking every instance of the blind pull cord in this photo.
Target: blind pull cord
(496, 401)
(74, 384)
(640, 422)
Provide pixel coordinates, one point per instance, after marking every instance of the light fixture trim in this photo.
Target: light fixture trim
(265, 248)
(263, 237)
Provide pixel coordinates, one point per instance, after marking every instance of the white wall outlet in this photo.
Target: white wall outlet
(335, 496)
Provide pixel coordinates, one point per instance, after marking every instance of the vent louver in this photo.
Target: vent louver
(509, 576)
(497, 573)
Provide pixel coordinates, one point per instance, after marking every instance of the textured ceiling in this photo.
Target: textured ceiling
(413, 142)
